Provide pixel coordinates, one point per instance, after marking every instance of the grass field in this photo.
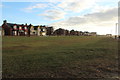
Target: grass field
(60, 57)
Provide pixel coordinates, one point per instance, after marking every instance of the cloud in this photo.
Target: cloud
(76, 5)
(100, 22)
(1, 5)
(107, 1)
(105, 18)
(31, 0)
(107, 15)
(60, 10)
(36, 6)
(54, 0)
(51, 11)
(53, 14)
(80, 5)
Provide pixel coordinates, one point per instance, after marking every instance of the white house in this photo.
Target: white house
(0, 32)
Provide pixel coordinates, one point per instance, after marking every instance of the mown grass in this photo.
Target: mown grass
(60, 57)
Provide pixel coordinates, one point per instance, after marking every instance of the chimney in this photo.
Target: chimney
(5, 21)
(26, 24)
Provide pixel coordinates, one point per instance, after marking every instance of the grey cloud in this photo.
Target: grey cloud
(53, 14)
(104, 16)
(94, 17)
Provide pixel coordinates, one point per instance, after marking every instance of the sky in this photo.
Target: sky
(82, 15)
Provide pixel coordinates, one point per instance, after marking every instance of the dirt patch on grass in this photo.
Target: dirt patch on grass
(16, 47)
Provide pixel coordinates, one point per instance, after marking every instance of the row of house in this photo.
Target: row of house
(10, 29)
(64, 32)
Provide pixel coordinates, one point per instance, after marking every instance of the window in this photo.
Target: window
(15, 27)
(20, 27)
(25, 27)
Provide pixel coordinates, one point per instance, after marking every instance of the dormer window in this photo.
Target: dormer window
(20, 27)
(44, 30)
(15, 27)
(25, 27)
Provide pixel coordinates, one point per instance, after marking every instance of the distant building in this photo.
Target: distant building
(77, 33)
(59, 32)
(93, 34)
(67, 33)
(109, 35)
(72, 32)
(86, 33)
(50, 31)
(81, 33)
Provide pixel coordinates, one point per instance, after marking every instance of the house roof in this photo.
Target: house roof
(10, 25)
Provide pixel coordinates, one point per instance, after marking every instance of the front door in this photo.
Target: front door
(7, 31)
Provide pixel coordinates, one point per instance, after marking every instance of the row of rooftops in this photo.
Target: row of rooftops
(35, 27)
(22, 25)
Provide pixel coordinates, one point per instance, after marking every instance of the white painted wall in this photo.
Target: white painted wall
(44, 33)
(25, 33)
(0, 33)
(38, 31)
(15, 33)
(20, 27)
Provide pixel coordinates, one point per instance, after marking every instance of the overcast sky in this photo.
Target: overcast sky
(83, 15)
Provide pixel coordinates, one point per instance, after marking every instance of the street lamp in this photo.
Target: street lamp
(116, 30)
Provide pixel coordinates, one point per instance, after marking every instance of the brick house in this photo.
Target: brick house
(59, 32)
(50, 31)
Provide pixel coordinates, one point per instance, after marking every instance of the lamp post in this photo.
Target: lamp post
(116, 34)
(116, 30)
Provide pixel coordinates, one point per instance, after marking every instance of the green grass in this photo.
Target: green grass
(59, 57)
